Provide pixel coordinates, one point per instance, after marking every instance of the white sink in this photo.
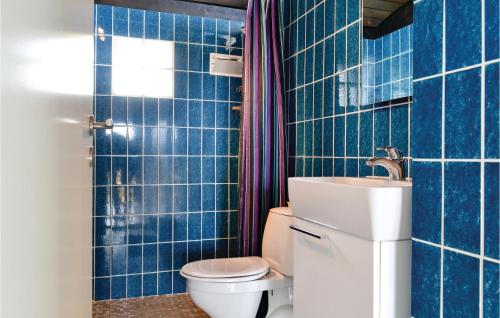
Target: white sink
(371, 208)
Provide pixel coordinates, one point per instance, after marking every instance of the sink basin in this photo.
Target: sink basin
(375, 209)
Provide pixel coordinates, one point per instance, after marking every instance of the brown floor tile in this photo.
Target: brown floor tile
(176, 306)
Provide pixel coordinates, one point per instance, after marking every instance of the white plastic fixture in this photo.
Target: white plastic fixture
(226, 65)
(142, 67)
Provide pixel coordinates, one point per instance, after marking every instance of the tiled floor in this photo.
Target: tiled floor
(177, 306)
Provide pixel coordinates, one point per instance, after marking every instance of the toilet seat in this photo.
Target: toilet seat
(226, 270)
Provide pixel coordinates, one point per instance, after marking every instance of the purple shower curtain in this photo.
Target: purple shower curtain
(262, 177)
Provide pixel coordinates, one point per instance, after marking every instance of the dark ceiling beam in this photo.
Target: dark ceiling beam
(187, 7)
(398, 19)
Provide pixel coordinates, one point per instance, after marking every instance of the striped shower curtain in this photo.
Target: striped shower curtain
(262, 175)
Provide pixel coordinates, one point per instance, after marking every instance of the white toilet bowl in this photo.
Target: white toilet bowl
(232, 288)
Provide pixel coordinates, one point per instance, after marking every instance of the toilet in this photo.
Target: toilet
(232, 287)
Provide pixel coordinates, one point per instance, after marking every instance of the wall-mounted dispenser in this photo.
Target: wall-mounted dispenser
(226, 65)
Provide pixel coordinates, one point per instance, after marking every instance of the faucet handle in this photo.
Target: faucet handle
(392, 152)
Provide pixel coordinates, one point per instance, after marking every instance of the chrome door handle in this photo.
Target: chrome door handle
(91, 156)
(305, 232)
(108, 124)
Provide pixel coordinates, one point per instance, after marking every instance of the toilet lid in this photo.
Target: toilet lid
(227, 267)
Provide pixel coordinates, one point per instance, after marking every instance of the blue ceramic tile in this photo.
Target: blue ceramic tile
(102, 257)
(102, 228)
(103, 170)
(491, 27)
(102, 198)
(180, 198)
(151, 111)
(134, 286)
(317, 137)
(120, 21)
(194, 194)
(308, 103)
(340, 93)
(166, 198)
(118, 287)
(150, 229)
(180, 254)
(194, 172)
(166, 112)
(308, 137)
(150, 199)
(180, 171)
(195, 83)
(426, 216)
(181, 28)
(492, 111)
(150, 258)
(491, 210)
(381, 127)
(209, 31)
(463, 114)
(194, 251)
(165, 283)
(103, 80)
(352, 90)
(135, 141)
(150, 170)
(181, 56)
(134, 229)
(149, 284)
(340, 14)
(134, 259)
(165, 256)
(425, 280)
(119, 199)
(352, 135)
(318, 100)
(338, 167)
(339, 133)
(463, 48)
(329, 56)
(134, 199)
(399, 128)
(208, 114)
(194, 141)
(426, 128)
(179, 283)
(119, 228)
(340, 51)
(221, 168)
(462, 206)
(460, 285)
(152, 25)
(103, 51)
(319, 22)
(104, 15)
(136, 23)
(222, 32)
(180, 227)
(428, 28)
(328, 137)
(165, 228)
(221, 145)
(366, 134)
(118, 262)
(165, 141)
(353, 45)
(195, 29)
(150, 141)
(318, 61)
(180, 141)
(329, 17)
(491, 283)
(102, 288)
(195, 57)
(310, 28)
(351, 168)
(221, 197)
(166, 26)
(181, 84)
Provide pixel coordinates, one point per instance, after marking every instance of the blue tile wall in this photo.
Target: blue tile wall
(455, 138)
(165, 184)
(388, 67)
(329, 131)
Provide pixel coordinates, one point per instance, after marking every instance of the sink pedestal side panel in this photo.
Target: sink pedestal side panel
(395, 279)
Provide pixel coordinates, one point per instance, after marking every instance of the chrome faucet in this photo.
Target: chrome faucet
(393, 163)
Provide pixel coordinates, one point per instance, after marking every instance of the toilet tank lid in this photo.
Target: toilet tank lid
(287, 211)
